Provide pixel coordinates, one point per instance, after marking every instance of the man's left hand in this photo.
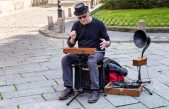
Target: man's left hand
(103, 44)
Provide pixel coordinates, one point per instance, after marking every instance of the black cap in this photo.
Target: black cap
(80, 9)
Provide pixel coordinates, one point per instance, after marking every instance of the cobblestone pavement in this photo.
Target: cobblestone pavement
(31, 76)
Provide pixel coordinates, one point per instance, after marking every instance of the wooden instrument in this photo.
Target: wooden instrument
(75, 50)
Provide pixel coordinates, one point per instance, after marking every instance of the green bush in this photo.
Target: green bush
(134, 4)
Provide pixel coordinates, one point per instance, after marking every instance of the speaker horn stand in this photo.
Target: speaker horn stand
(141, 40)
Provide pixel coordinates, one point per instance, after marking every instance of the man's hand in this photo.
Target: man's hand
(72, 37)
(104, 43)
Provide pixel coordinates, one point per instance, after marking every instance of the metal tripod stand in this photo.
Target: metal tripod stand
(139, 81)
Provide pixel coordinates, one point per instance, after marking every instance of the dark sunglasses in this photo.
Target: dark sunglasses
(84, 16)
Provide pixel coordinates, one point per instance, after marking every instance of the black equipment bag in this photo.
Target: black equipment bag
(114, 72)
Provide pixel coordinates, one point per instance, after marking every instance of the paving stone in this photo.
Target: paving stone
(51, 64)
(12, 107)
(37, 84)
(167, 107)
(152, 63)
(102, 103)
(154, 57)
(59, 86)
(53, 74)
(49, 74)
(20, 100)
(43, 52)
(56, 104)
(162, 90)
(6, 63)
(58, 56)
(34, 60)
(10, 77)
(133, 106)
(18, 54)
(152, 101)
(25, 80)
(7, 88)
(165, 73)
(160, 68)
(2, 83)
(118, 100)
(23, 68)
(51, 96)
(132, 74)
(165, 62)
(32, 74)
(1, 72)
(27, 92)
(160, 77)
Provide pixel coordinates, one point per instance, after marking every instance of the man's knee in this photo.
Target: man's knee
(64, 59)
(91, 62)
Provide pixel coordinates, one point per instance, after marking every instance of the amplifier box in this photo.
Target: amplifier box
(84, 81)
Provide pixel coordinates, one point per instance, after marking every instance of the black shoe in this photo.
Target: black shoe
(94, 96)
(68, 92)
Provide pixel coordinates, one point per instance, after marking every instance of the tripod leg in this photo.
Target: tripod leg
(102, 93)
(148, 90)
(73, 98)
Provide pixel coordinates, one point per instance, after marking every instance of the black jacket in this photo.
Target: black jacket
(112, 65)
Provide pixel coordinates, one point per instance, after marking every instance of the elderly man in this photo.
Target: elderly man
(89, 33)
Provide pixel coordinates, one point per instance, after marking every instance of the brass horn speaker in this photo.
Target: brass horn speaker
(141, 40)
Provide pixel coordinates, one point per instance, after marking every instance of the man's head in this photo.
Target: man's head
(82, 13)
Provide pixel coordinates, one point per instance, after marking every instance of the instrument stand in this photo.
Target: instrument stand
(139, 81)
(139, 62)
(80, 91)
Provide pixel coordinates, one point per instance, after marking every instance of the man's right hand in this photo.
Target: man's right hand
(73, 35)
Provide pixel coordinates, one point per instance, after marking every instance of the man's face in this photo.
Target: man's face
(84, 18)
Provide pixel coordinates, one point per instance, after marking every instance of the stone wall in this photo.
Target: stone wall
(12, 5)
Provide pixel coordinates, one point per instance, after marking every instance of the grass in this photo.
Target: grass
(158, 17)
